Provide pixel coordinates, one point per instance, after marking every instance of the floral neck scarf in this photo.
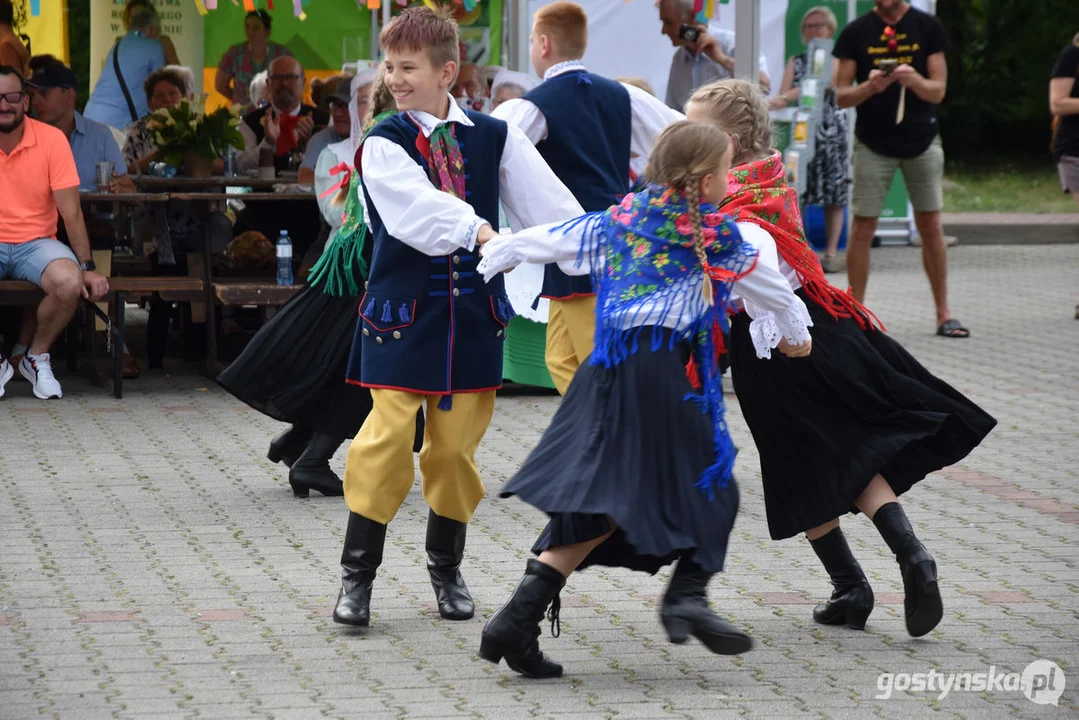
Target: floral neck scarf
(445, 163)
(644, 267)
(758, 192)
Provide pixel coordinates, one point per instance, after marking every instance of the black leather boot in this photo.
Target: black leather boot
(852, 597)
(289, 445)
(311, 471)
(445, 550)
(364, 540)
(685, 612)
(513, 632)
(921, 603)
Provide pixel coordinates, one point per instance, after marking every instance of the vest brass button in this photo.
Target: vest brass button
(456, 292)
(366, 331)
(456, 276)
(378, 339)
(498, 334)
(396, 334)
(456, 259)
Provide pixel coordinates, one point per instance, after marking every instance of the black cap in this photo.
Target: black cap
(340, 97)
(56, 75)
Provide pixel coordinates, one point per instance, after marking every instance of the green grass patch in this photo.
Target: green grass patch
(1011, 187)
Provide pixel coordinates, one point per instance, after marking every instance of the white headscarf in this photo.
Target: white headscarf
(362, 79)
(511, 77)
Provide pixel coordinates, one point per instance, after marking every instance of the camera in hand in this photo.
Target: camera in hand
(689, 33)
(888, 65)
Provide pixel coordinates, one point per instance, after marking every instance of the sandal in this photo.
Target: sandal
(953, 329)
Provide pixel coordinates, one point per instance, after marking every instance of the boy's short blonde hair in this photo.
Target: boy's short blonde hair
(566, 24)
(638, 82)
(421, 28)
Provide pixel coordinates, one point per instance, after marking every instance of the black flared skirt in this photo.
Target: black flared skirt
(627, 447)
(293, 370)
(826, 424)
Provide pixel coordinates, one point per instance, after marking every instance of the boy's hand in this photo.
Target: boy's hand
(485, 234)
(795, 351)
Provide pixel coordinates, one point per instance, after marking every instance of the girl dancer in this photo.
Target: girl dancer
(851, 427)
(293, 370)
(631, 471)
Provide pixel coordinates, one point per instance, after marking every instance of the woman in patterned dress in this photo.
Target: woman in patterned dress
(827, 181)
(242, 62)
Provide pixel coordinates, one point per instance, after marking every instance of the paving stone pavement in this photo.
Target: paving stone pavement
(155, 565)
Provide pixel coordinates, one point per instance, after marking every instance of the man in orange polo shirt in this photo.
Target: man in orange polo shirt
(38, 179)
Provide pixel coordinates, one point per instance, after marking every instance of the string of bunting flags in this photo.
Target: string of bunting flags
(205, 6)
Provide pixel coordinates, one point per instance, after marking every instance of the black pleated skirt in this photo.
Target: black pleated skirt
(627, 446)
(293, 370)
(859, 405)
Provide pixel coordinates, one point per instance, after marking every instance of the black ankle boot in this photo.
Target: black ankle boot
(852, 598)
(513, 632)
(685, 612)
(445, 550)
(364, 540)
(921, 603)
(289, 445)
(311, 471)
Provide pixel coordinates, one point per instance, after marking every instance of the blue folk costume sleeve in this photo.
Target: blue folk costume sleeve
(645, 268)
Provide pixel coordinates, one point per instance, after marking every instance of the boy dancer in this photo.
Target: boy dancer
(430, 327)
(586, 127)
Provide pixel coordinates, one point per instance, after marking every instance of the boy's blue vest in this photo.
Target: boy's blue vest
(428, 324)
(587, 145)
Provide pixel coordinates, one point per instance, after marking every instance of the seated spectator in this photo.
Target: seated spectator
(341, 127)
(259, 90)
(12, 50)
(470, 89)
(38, 182)
(165, 88)
(242, 62)
(54, 88)
(286, 124)
(322, 88)
(171, 57)
(509, 85)
(130, 61)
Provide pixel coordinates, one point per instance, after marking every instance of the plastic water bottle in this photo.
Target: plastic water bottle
(284, 259)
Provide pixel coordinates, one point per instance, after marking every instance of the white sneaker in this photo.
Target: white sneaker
(38, 370)
(6, 373)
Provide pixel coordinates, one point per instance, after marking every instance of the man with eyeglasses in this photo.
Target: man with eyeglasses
(286, 124)
(38, 181)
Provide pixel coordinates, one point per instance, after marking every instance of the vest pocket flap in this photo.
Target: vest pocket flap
(502, 310)
(387, 312)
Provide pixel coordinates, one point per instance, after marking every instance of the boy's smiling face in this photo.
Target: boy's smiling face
(416, 83)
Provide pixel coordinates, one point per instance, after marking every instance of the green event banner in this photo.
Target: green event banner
(338, 31)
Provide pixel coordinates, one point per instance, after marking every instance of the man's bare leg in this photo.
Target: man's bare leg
(62, 283)
(858, 247)
(935, 260)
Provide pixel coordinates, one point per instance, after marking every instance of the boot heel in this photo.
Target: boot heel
(928, 608)
(490, 651)
(300, 491)
(677, 629)
(856, 618)
(274, 454)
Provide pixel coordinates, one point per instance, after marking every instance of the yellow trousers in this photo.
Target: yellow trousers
(379, 470)
(571, 332)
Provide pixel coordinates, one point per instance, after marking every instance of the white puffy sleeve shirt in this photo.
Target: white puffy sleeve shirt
(437, 223)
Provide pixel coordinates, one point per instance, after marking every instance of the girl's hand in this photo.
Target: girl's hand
(795, 351)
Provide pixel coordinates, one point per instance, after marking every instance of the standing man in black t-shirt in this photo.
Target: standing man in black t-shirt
(896, 55)
(1064, 104)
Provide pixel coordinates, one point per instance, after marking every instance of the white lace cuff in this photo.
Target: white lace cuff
(498, 255)
(768, 328)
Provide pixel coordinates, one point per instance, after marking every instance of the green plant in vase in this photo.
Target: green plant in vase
(190, 138)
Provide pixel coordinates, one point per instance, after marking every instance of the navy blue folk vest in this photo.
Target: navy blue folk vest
(587, 145)
(430, 324)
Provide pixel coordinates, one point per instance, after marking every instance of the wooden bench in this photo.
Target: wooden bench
(121, 289)
(21, 293)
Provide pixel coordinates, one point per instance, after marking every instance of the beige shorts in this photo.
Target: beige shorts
(1069, 173)
(923, 175)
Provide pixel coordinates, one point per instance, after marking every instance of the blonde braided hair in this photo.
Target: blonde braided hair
(685, 153)
(738, 108)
